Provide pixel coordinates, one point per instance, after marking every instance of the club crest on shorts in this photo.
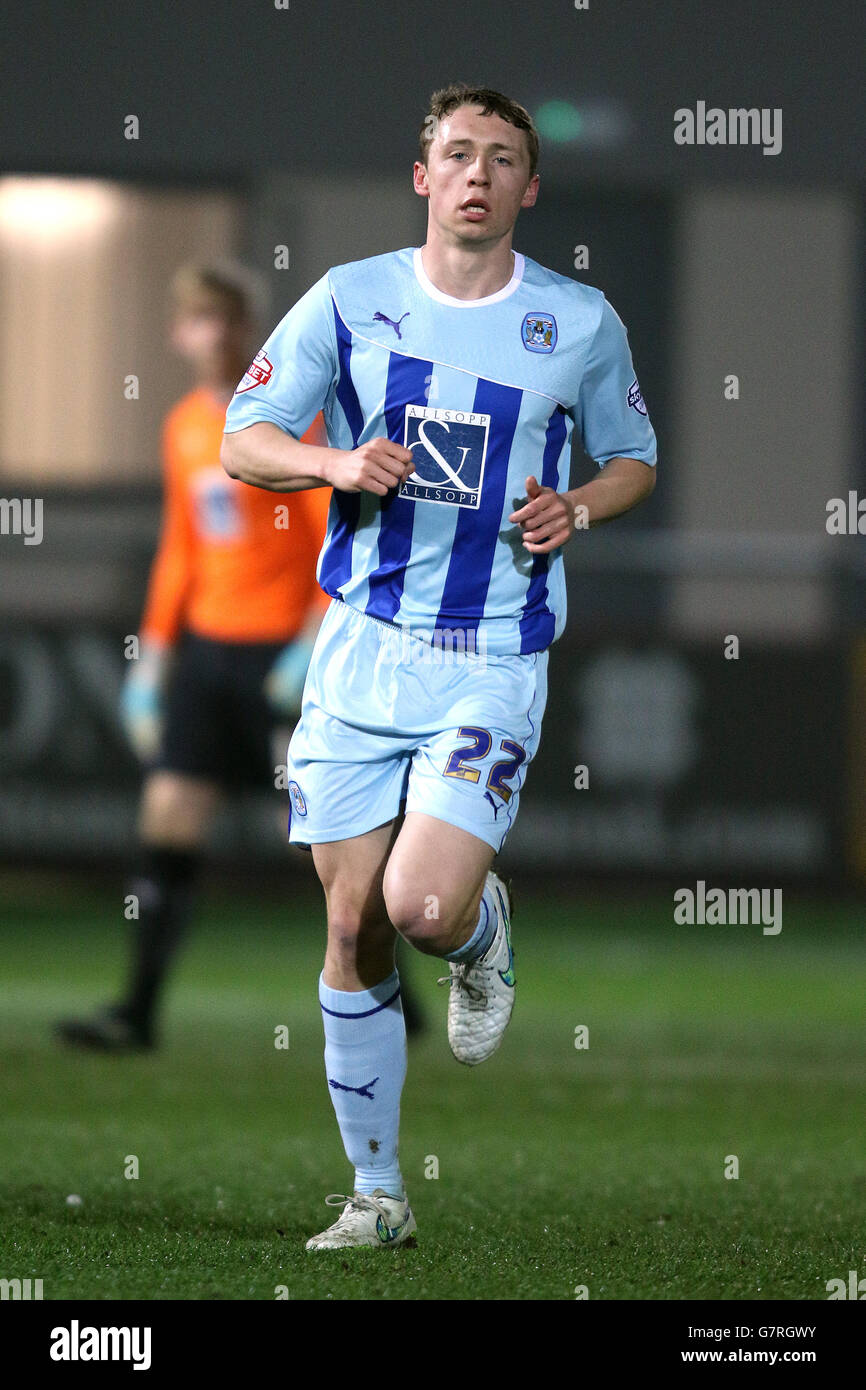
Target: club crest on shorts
(449, 448)
(539, 333)
(296, 796)
(258, 373)
(635, 398)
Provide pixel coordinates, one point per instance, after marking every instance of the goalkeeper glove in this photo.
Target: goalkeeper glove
(141, 701)
(284, 686)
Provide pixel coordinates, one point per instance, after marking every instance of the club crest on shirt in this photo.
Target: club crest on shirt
(539, 333)
(635, 398)
(258, 373)
(449, 448)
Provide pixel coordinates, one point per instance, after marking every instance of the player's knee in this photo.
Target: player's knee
(351, 927)
(422, 919)
(356, 944)
(176, 808)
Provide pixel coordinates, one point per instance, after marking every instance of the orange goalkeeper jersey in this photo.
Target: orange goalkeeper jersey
(235, 563)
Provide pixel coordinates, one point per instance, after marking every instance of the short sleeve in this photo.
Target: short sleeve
(289, 379)
(610, 414)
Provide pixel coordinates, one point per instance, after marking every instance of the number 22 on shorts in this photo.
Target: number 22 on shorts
(482, 741)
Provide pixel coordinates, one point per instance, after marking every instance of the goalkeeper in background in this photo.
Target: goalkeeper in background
(231, 615)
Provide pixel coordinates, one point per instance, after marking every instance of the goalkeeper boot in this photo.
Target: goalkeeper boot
(111, 1030)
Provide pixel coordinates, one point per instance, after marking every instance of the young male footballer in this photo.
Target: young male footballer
(231, 613)
(451, 378)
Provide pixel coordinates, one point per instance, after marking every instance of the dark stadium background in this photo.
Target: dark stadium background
(262, 127)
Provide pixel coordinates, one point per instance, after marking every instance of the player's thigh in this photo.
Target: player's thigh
(435, 877)
(351, 872)
(470, 771)
(176, 809)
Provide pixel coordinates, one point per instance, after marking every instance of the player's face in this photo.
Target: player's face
(208, 339)
(476, 177)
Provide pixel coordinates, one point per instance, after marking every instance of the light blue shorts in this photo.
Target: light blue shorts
(388, 718)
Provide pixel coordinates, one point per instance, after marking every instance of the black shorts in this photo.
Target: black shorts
(218, 722)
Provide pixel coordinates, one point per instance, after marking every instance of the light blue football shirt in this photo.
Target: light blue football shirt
(484, 392)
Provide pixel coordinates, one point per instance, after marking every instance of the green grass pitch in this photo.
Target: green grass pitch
(558, 1167)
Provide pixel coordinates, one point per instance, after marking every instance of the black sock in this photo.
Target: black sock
(164, 888)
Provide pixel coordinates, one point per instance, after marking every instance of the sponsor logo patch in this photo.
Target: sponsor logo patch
(258, 373)
(635, 399)
(449, 448)
(539, 333)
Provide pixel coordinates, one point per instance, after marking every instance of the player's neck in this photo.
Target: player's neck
(221, 385)
(467, 272)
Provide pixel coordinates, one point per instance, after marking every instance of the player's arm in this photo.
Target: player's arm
(292, 377)
(549, 518)
(141, 704)
(264, 455)
(612, 421)
(172, 570)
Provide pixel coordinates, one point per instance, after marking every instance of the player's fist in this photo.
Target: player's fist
(377, 466)
(547, 520)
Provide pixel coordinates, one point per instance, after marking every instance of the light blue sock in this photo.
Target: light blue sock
(485, 930)
(365, 1063)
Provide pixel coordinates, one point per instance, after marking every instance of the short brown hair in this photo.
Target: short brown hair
(238, 291)
(492, 103)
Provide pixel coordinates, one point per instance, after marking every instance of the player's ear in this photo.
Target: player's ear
(419, 179)
(529, 197)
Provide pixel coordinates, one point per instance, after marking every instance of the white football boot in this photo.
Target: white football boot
(367, 1219)
(482, 991)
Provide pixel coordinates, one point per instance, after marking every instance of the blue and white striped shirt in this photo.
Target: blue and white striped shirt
(484, 392)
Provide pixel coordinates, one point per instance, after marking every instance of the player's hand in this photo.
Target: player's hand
(284, 685)
(377, 466)
(547, 520)
(141, 702)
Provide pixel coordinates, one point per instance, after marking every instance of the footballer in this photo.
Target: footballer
(451, 377)
(231, 614)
